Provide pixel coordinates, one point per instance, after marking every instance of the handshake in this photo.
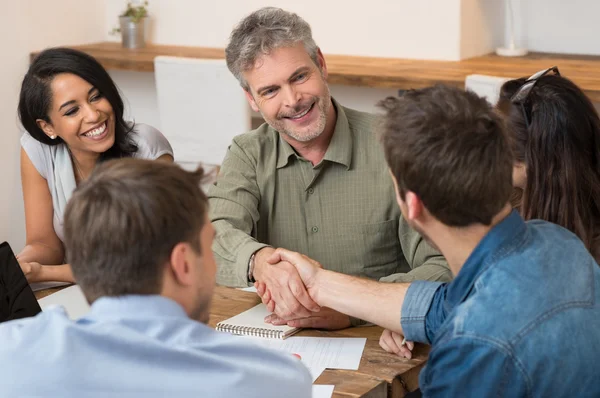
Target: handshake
(292, 285)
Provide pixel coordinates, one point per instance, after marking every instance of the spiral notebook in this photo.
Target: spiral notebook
(252, 323)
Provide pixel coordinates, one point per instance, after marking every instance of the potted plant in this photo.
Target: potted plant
(133, 24)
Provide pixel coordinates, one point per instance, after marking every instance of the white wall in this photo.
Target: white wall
(425, 29)
(139, 94)
(558, 26)
(30, 25)
(481, 27)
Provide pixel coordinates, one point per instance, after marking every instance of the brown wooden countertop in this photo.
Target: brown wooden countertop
(584, 70)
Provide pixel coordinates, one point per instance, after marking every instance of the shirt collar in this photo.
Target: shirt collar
(340, 146)
(136, 306)
(486, 253)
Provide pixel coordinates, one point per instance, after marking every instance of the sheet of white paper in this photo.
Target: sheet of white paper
(248, 289)
(71, 298)
(322, 391)
(320, 352)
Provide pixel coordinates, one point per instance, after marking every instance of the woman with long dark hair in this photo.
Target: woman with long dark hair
(73, 114)
(555, 131)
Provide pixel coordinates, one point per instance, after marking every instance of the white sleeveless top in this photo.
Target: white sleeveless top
(53, 162)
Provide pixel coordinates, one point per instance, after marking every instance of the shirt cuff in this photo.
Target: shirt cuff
(243, 258)
(417, 301)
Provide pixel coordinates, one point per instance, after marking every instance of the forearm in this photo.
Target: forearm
(56, 273)
(234, 203)
(41, 253)
(232, 249)
(375, 302)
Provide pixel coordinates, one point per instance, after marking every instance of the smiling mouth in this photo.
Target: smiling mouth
(96, 131)
(301, 114)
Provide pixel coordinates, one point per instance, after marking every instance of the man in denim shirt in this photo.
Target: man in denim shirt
(522, 316)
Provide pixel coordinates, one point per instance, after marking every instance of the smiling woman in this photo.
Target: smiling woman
(73, 115)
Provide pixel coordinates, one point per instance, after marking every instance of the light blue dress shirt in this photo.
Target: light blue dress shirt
(139, 346)
(521, 319)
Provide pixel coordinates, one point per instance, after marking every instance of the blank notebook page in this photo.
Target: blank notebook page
(252, 323)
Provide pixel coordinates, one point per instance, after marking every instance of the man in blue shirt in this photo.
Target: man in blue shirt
(522, 316)
(139, 241)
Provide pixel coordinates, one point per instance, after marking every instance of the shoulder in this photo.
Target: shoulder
(361, 121)
(524, 276)
(596, 249)
(32, 146)
(255, 142)
(557, 244)
(17, 334)
(259, 365)
(41, 155)
(363, 126)
(151, 143)
(280, 369)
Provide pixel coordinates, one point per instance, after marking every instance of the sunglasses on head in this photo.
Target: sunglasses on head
(522, 94)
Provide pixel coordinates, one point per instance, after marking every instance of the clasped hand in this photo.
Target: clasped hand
(31, 270)
(286, 285)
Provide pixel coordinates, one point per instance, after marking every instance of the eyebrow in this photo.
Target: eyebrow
(296, 72)
(302, 69)
(73, 101)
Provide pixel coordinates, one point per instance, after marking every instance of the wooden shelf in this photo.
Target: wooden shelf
(380, 72)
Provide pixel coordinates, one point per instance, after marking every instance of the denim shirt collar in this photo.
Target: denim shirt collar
(485, 254)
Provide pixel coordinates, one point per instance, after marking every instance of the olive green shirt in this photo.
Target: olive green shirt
(341, 212)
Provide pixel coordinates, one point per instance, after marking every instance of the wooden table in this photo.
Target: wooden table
(380, 72)
(379, 374)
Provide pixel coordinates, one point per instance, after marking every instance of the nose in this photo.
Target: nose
(91, 114)
(290, 96)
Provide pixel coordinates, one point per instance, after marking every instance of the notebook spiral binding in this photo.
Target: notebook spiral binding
(250, 331)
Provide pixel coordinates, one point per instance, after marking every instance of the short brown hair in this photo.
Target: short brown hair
(122, 224)
(450, 148)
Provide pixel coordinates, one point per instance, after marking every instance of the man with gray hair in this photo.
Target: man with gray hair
(312, 179)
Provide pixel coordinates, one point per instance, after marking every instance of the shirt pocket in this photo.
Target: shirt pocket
(377, 247)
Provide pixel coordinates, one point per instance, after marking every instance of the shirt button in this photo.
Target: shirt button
(311, 190)
(315, 229)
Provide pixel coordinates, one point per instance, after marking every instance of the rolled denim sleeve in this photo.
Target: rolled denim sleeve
(415, 310)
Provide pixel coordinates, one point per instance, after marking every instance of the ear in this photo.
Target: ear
(182, 265)
(414, 206)
(322, 63)
(46, 127)
(251, 101)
